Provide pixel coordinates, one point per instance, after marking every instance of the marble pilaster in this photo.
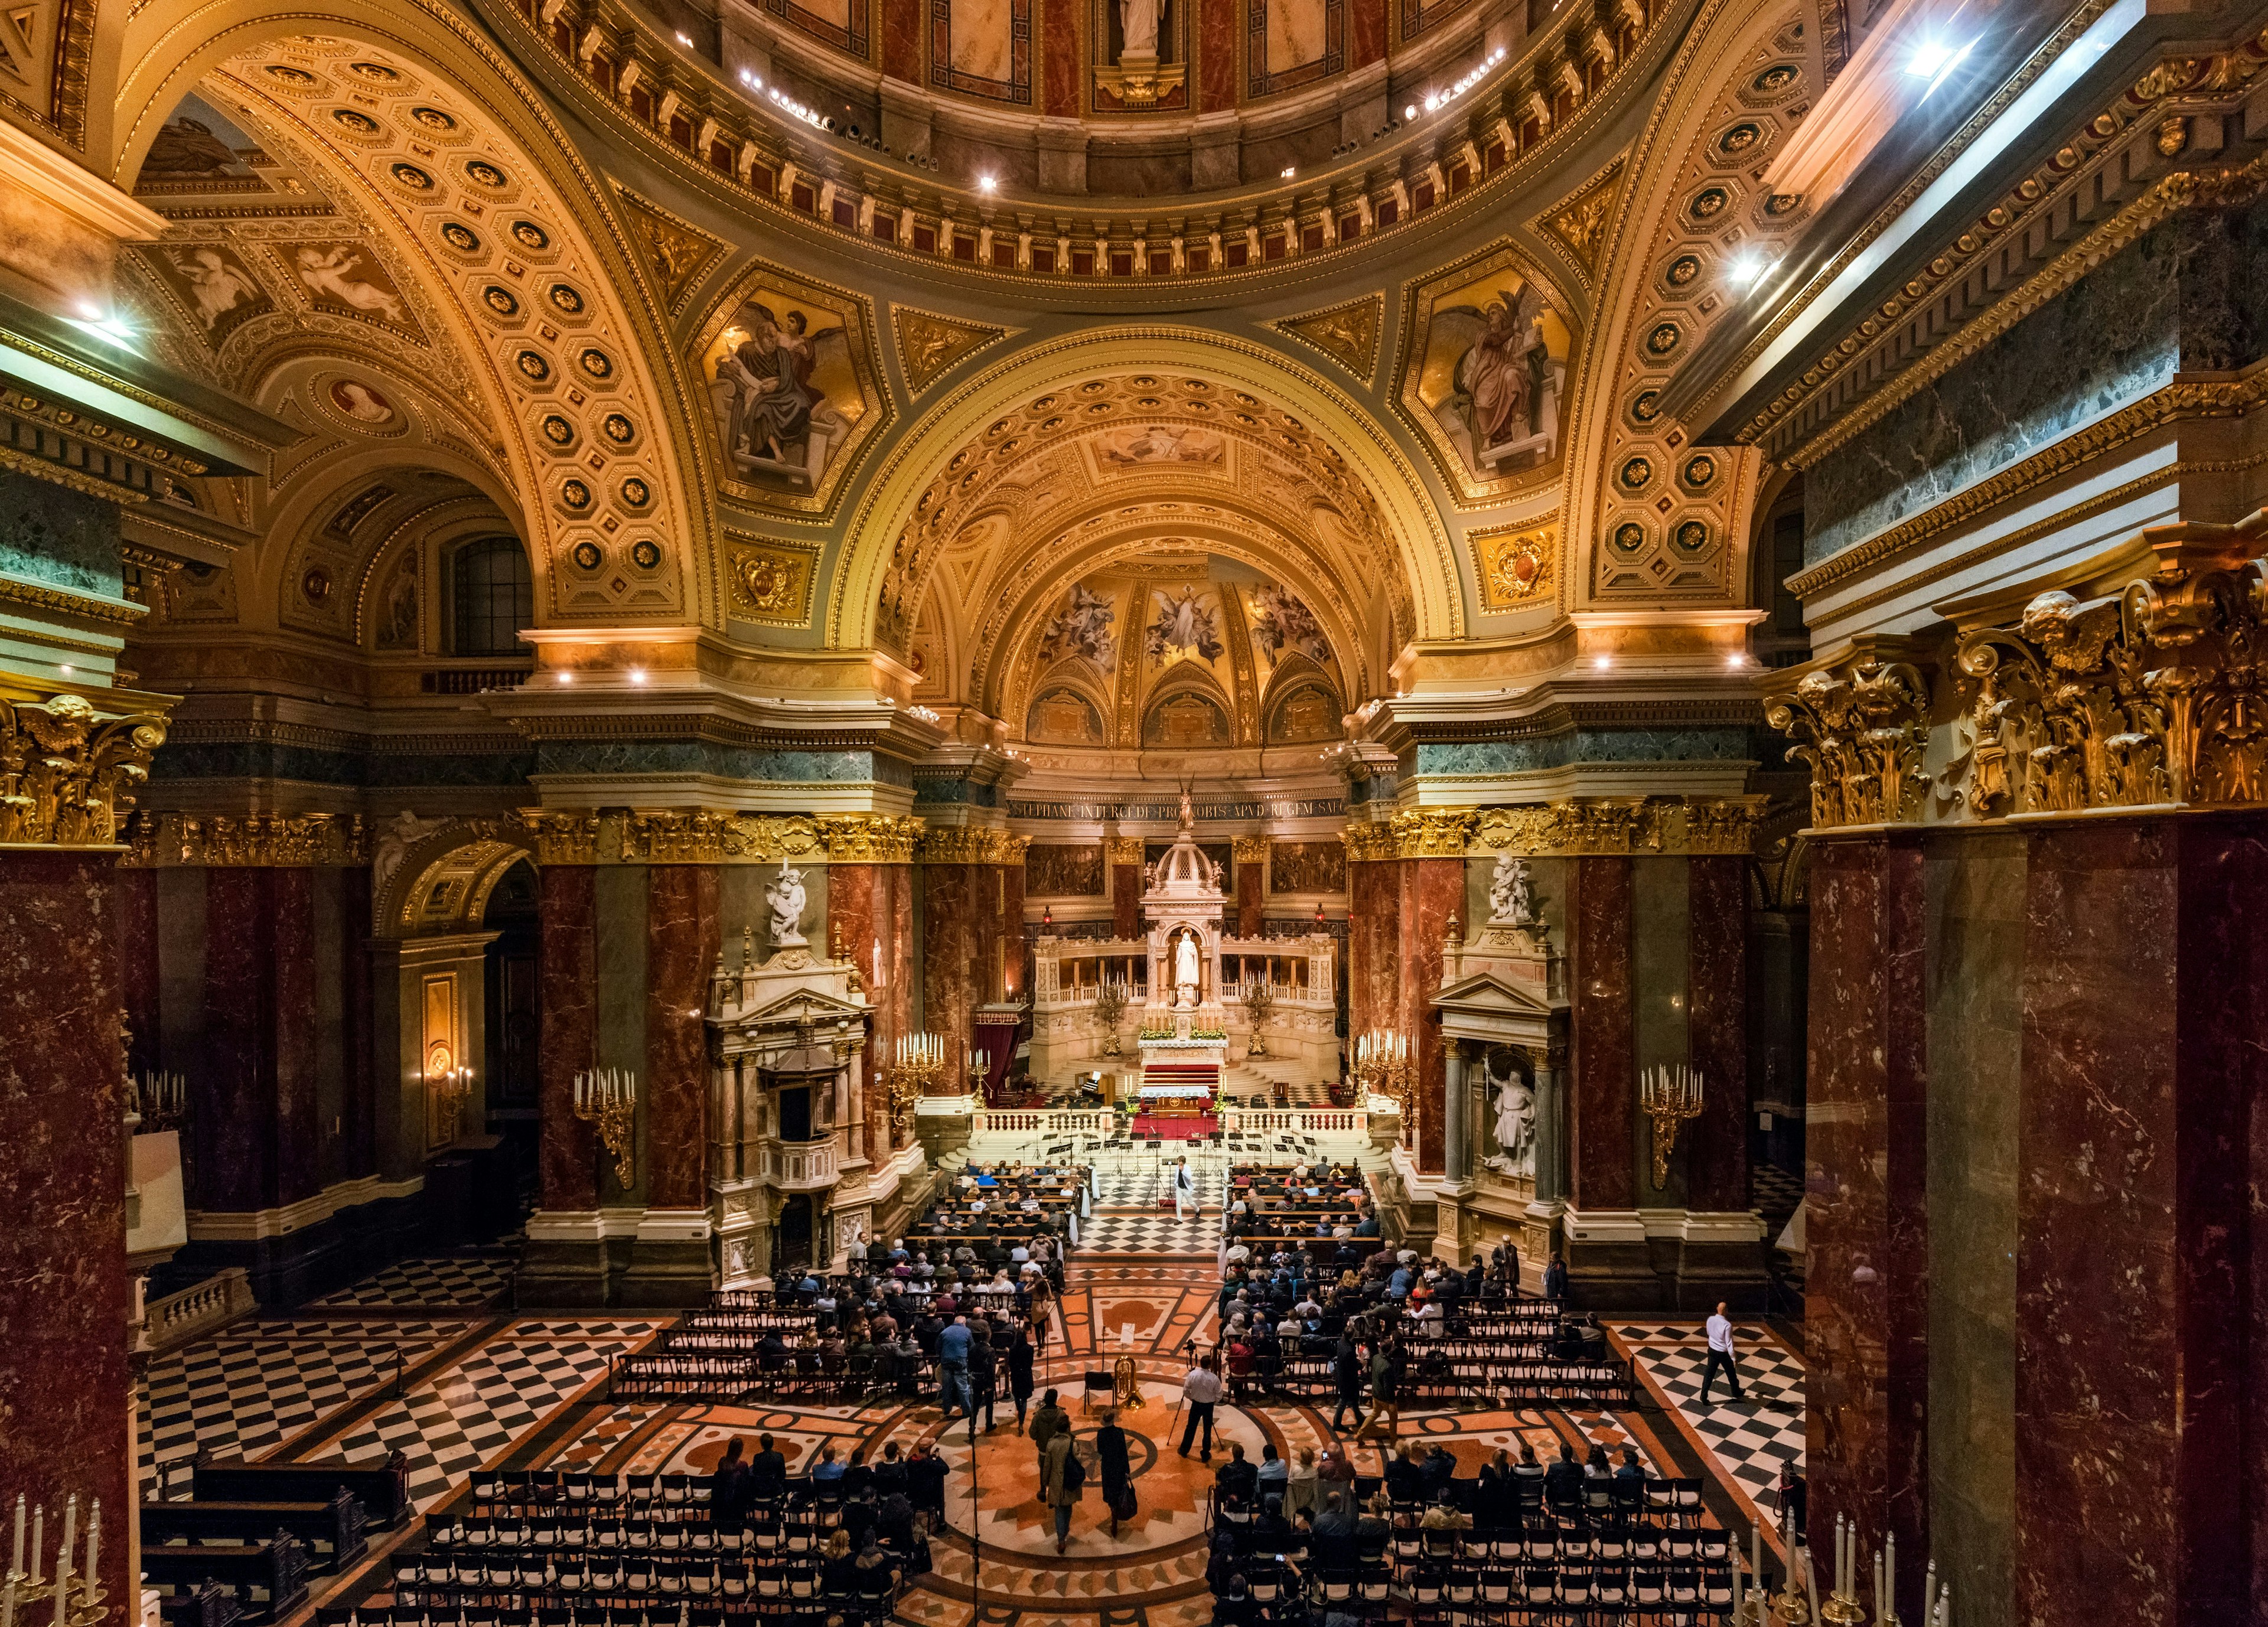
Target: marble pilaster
(1373, 943)
(670, 1258)
(1126, 900)
(1603, 1088)
(955, 944)
(1432, 893)
(65, 1390)
(1717, 1040)
(565, 1263)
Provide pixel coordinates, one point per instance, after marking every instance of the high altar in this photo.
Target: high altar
(1188, 990)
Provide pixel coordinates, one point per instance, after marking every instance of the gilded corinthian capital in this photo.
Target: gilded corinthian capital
(67, 771)
(1863, 729)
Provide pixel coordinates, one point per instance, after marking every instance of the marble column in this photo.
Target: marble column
(1124, 856)
(955, 945)
(854, 893)
(2137, 1412)
(137, 930)
(1251, 866)
(64, 1292)
(1456, 1159)
(1717, 1037)
(1866, 1301)
(1014, 955)
(670, 1258)
(1373, 943)
(1433, 892)
(1608, 1263)
(565, 1262)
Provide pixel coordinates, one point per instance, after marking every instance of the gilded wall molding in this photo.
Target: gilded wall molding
(563, 836)
(1863, 729)
(1666, 827)
(870, 838)
(1123, 849)
(699, 836)
(2151, 696)
(67, 771)
(245, 841)
(1250, 849)
(971, 844)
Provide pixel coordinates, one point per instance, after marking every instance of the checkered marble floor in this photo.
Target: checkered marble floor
(248, 1393)
(1154, 1233)
(1751, 1441)
(454, 1281)
(1774, 1190)
(473, 1412)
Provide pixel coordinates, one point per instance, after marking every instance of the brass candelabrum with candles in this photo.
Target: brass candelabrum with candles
(1381, 1067)
(607, 1099)
(451, 1089)
(1668, 1096)
(72, 1596)
(912, 1072)
(161, 1098)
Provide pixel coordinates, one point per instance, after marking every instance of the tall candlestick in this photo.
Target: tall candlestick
(1811, 1582)
(39, 1541)
(1891, 1576)
(1929, 1593)
(93, 1545)
(71, 1536)
(8, 1602)
(1756, 1552)
(16, 1564)
(1878, 1582)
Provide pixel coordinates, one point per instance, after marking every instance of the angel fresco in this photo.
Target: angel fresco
(1183, 626)
(776, 425)
(1503, 403)
(1082, 628)
(1281, 621)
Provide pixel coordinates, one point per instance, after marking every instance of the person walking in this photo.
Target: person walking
(1047, 1422)
(1720, 1356)
(1347, 1373)
(952, 1346)
(1385, 1371)
(1555, 1279)
(1185, 1190)
(1200, 1390)
(1062, 1477)
(1117, 1475)
(1020, 1374)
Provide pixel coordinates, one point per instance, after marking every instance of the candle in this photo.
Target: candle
(39, 1541)
(1891, 1576)
(8, 1602)
(93, 1544)
(71, 1536)
(1878, 1583)
(16, 1564)
(1811, 1582)
(1756, 1553)
(1929, 1593)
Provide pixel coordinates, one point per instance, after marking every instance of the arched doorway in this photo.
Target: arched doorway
(792, 1239)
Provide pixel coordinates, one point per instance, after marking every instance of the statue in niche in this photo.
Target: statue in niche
(1515, 1129)
(1138, 27)
(1512, 898)
(786, 897)
(1185, 968)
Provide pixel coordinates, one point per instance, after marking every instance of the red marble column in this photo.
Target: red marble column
(357, 1009)
(136, 893)
(1433, 890)
(1602, 1086)
(567, 1039)
(2146, 956)
(1219, 22)
(858, 899)
(901, 40)
(1251, 904)
(682, 932)
(1867, 1304)
(254, 1118)
(65, 1392)
(953, 948)
(1126, 900)
(1014, 956)
(1717, 1031)
(1373, 943)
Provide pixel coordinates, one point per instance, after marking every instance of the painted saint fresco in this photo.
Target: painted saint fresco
(790, 388)
(1487, 375)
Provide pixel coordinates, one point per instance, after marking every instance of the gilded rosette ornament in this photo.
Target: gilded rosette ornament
(67, 771)
(1863, 730)
(2153, 695)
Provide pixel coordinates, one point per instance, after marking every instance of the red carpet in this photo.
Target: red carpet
(1181, 1129)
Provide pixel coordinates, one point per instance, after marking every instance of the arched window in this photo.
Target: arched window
(494, 595)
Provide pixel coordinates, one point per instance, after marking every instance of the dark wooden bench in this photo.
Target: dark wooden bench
(382, 1489)
(201, 1607)
(275, 1568)
(335, 1526)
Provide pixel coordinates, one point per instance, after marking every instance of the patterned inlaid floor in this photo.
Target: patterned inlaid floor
(1751, 1441)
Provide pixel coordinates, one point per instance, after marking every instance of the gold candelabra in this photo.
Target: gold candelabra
(607, 1098)
(77, 1597)
(912, 1073)
(453, 1088)
(1381, 1067)
(161, 1098)
(1668, 1096)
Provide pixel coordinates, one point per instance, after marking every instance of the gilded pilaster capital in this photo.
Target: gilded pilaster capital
(1863, 729)
(870, 838)
(971, 844)
(1369, 842)
(701, 837)
(1250, 849)
(1124, 849)
(68, 769)
(563, 836)
(1434, 832)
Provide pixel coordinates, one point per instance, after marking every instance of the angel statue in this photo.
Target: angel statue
(1515, 1129)
(786, 898)
(1511, 900)
(1503, 379)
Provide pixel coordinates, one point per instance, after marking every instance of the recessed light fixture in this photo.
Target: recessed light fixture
(566, 678)
(684, 39)
(1409, 113)
(1289, 170)
(1746, 270)
(67, 669)
(1737, 659)
(638, 674)
(988, 183)
(1602, 662)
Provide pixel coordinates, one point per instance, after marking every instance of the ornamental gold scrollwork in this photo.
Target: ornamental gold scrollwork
(256, 841)
(67, 771)
(1862, 731)
(870, 838)
(1249, 849)
(1123, 849)
(972, 844)
(1369, 841)
(700, 837)
(2155, 695)
(563, 836)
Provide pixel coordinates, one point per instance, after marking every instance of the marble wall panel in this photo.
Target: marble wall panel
(953, 946)
(1014, 957)
(1062, 64)
(683, 934)
(1126, 899)
(139, 979)
(1865, 1327)
(2144, 947)
(66, 1396)
(1659, 971)
(1717, 1030)
(1433, 892)
(1373, 944)
(1975, 902)
(1251, 902)
(254, 1122)
(358, 1023)
(619, 923)
(1218, 24)
(1601, 1090)
(901, 39)
(568, 1037)
(1366, 31)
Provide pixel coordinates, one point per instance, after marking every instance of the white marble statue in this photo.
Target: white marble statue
(1516, 1129)
(1185, 967)
(1138, 27)
(1512, 899)
(786, 896)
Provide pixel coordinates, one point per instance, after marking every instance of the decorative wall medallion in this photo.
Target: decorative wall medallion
(677, 251)
(364, 403)
(460, 237)
(1635, 473)
(1662, 339)
(500, 299)
(533, 365)
(1348, 334)
(575, 495)
(433, 119)
(316, 584)
(411, 176)
(589, 556)
(483, 173)
(565, 299)
(1516, 566)
(645, 553)
(1683, 271)
(929, 345)
(1629, 539)
(1646, 407)
(530, 236)
(770, 582)
(359, 123)
(1691, 538)
(557, 431)
(1700, 470)
(618, 428)
(1740, 139)
(636, 492)
(377, 73)
(1774, 80)
(596, 364)
(1708, 204)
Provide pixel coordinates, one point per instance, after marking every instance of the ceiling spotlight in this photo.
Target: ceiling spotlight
(684, 39)
(1409, 112)
(638, 674)
(1602, 662)
(988, 183)
(1289, 171)
(1932, 58)
(1747, 270)
(566, 678)
(1737, 659)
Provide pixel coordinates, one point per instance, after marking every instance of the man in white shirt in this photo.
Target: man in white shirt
(1185, 1192)
(1720, 1355)
(1200, 1389)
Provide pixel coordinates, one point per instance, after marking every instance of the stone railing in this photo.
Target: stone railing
(1308, 1121)
(801, 1166)
(195, 1311)
(1056, 1120)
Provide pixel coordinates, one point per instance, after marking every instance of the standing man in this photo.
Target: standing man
(1185, 1190)
(1720, 1355)
(1200, 1389)
(952, 1346)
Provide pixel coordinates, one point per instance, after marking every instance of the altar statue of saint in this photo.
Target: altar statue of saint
(1138, 27)
(1515, 1129)
(786, 898)
(1511, 900)
(1185, 967)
